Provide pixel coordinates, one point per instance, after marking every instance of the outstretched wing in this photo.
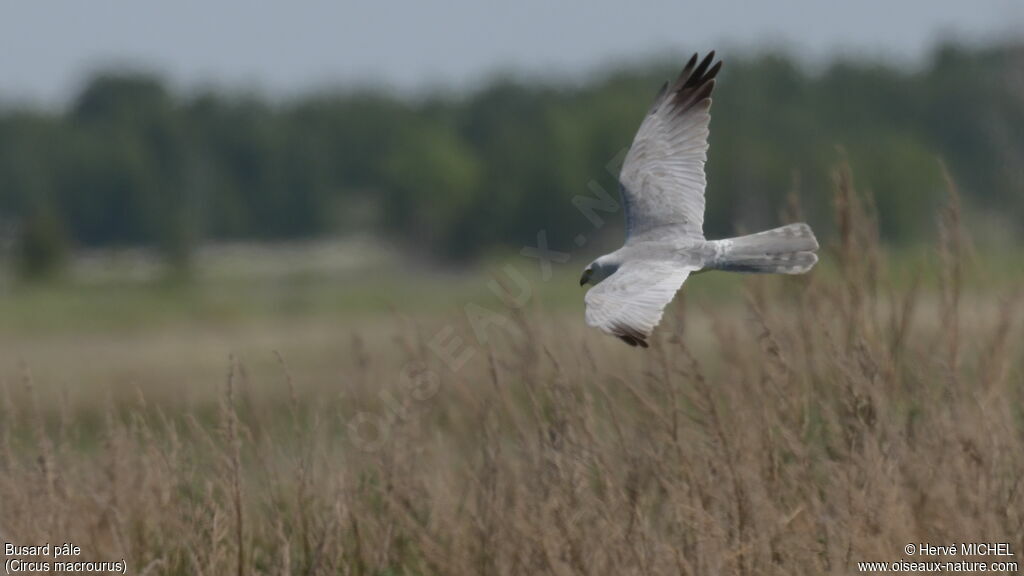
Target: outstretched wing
(662, 179)
(629, 303)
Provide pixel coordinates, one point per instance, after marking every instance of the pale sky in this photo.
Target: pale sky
(48, 49)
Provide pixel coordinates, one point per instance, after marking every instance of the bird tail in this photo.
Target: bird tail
(785, 250)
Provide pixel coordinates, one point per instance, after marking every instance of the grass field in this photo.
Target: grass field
(415, 425)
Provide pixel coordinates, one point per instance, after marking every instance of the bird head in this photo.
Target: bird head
(588, 272)
(598, 270)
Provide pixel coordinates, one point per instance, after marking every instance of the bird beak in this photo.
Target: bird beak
(583, 280)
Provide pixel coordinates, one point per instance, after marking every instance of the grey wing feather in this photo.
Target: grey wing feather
(629, 304)
(662, 180)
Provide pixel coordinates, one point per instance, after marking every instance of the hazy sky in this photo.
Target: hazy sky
(48, 48)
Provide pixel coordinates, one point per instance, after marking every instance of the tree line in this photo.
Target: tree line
(130, 162)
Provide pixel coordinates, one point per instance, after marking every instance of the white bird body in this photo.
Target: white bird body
(662, 186)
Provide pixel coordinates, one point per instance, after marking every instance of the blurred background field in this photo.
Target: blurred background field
(115, 319)
(142, 213)
(234, 238)
(149, 194)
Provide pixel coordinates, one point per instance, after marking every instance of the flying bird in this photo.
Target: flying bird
(662, 187)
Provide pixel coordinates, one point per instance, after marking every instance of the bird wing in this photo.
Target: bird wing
(662, 180)
(629, 303)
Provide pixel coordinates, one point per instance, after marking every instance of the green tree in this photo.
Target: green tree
(431, 181)
(41, 248)
(131, 163)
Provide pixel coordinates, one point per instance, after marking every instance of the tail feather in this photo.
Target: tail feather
(784, 250)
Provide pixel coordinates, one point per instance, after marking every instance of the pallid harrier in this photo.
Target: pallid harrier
(662, 187)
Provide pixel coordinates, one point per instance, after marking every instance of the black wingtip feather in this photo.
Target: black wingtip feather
(634, 342)
(714, 69)
(630, 335)
(694, 85)
(694, 99)
(689, 66)
(702, 68)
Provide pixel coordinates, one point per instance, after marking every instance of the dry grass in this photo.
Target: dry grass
(825, 423)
